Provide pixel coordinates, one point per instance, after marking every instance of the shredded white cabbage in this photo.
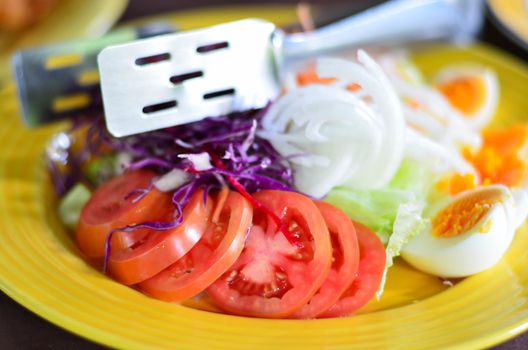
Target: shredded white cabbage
(441, 158)
(200, 161)
(172, 180)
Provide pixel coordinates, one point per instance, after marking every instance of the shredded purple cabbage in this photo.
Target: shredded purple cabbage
(232, 138)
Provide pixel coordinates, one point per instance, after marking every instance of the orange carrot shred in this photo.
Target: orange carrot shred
(310, 76)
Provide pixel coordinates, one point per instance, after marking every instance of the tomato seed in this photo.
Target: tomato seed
(274, 286)
(297, 256)
(232, 276)
(280, 275)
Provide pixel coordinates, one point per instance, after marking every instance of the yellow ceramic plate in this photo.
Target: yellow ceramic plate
(40, 266)
(512, 16)
(69, 19)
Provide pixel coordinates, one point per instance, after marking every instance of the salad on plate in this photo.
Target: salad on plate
(297, 210)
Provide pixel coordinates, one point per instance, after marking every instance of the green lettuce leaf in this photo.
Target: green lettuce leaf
(72, 203)
(394, 212)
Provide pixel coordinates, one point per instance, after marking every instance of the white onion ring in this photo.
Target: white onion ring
(333, 136)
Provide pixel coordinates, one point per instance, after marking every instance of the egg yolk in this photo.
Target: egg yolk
(506, 140)
(463, 214)
(467, 94)
(457, 183)
(502, 157)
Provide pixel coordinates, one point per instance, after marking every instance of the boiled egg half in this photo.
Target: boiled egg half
(468, 233)
(472, 90)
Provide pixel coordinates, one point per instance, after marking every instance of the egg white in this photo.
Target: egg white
(491, 84)
(474, 251)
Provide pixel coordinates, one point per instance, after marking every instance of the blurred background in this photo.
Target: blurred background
(24, 23)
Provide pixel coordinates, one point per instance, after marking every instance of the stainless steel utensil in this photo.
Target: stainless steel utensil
(179, 78)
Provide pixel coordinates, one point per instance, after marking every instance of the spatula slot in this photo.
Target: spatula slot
(159, 107)
(143, 61)
(210, 72)
(219, 93)
(212, 47)
(178, 79)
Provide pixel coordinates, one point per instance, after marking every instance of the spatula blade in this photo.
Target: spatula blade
(180, 78)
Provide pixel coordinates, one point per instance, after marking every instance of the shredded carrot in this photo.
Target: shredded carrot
(353, 87)
(414, 104)
(418, 128)
(220, 201)
(309, 76)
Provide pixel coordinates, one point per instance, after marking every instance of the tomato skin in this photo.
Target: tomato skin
(340, 277)
(209, 258)
(303, 277)
(371, 266)
(108, 209)
(162, 248)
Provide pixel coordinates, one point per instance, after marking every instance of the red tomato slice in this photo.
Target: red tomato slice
(273, 278)
(161, 249)
(372, 260)
(109, 208)
(345, 260)
(210, 258)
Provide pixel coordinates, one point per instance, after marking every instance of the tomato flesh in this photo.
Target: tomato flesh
(372, 260)
(345, 261)
(273, 277)
(160, 249)
(306, 260)
(218, 249)
(114, 205)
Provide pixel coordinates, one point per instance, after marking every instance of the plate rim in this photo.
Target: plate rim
(69, 324)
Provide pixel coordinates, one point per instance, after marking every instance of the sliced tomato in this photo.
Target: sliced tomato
(113, 205)
(272, 277)
(160, 249)
(345, 260)
(372, 260)
(211, 257)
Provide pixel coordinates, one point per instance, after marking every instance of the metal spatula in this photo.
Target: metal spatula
(179, 78)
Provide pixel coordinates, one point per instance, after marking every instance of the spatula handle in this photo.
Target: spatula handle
(392, 22)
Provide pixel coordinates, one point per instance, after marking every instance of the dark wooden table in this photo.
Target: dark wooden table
(21, 329)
